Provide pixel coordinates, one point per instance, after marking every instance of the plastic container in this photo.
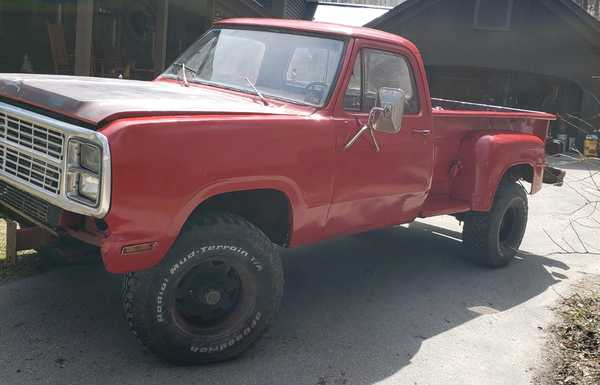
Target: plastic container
(590, 145)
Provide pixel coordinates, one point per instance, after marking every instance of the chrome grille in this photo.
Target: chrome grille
(24, 203)
(33, 157)
(30, 169)
(33, 136)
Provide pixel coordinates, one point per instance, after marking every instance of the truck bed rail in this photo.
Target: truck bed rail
(457, 105)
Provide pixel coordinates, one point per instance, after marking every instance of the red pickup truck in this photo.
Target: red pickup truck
(264, 134)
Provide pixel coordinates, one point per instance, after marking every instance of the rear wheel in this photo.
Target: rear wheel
(211, 298)
(493, 238)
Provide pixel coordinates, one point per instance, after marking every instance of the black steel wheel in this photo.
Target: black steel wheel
(211, 298)
(208, 295)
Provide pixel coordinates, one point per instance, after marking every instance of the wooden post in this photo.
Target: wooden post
(160, 40)
(11, 242)
(83, 37)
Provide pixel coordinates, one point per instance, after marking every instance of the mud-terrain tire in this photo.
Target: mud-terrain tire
(211, 298)
(493, 238)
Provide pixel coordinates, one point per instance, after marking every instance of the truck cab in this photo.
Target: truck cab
(386, 177)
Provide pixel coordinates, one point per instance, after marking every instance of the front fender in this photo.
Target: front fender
(279, 183)
(164, 239)
(486, 157)
(163, 167)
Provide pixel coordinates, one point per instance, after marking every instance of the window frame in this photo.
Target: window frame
(362, 56)
(359, 56)
(504, 28)
(218, 27)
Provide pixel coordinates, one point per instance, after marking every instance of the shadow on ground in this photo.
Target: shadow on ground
(355, 311)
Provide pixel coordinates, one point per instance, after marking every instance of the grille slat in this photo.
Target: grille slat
(31, 153)
(26, 168)
(24, 202)
(33, 136)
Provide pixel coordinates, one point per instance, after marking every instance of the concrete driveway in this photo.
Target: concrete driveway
(398, 306)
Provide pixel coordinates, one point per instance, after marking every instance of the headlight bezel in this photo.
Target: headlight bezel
(77, 171)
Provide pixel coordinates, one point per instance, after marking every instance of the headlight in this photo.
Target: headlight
(84, 168)
(90, 158)
(89, 187)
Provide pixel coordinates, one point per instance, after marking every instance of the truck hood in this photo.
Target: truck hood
(96, 100)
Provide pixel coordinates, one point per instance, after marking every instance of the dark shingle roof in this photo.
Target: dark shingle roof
(567, 10)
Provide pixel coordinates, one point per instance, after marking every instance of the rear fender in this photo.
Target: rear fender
(485, 158)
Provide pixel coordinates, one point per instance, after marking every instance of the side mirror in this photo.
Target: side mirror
(387, 115)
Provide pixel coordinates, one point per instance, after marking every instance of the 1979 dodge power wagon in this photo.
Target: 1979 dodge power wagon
(264, 134)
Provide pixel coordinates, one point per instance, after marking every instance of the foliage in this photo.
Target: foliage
(578, 340)
(583, 223)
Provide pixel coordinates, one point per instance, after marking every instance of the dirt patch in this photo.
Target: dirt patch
(31, 262)
(28, 262)
(575, 339)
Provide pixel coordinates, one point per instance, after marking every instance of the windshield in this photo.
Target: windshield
(286, 66)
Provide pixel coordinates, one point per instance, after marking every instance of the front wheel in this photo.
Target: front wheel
(493, 238)
(211, 298)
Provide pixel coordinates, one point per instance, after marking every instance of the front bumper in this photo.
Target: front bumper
(25, 207)
(32, 223)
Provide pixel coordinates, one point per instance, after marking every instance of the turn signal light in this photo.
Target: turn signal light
(139, 248)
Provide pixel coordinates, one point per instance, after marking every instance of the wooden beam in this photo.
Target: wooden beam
(11, 242)
(83, 37)
(160, 40)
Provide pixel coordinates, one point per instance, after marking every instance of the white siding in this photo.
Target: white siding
(377, 3)
(592, 6)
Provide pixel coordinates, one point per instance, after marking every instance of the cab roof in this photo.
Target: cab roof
(339, 30)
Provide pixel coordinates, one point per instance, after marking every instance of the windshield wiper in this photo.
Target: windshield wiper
(184, 76)
(260, 95)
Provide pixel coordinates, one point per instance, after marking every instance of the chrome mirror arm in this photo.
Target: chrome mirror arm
(355, 137)
(369, 127)
(375, 144)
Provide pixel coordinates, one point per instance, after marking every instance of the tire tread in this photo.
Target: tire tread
(137, 285)
(478, 225)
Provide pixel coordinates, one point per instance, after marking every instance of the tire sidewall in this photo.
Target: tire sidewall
(513, 197)
(241, 254)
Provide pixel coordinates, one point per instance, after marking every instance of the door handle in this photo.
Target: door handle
(421, 131)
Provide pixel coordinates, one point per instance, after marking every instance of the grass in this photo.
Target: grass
(577, 339)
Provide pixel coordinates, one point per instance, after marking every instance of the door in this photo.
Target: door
(384, 183)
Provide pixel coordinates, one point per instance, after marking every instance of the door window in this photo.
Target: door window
(380, 69)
